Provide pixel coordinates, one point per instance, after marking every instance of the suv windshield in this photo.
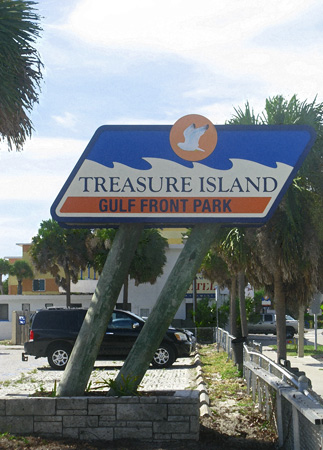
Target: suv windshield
(289, 317)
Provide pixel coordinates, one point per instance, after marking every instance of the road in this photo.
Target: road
(272, 340)
(11, 364)
(22, 378)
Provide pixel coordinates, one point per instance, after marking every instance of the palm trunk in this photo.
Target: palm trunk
(78, 370)
(194, 295)
(233, 308)
(125, 304)
(68, 288)
(300, 350)
(242, 299)
(168, 302)
(19, 288)
(280, 307)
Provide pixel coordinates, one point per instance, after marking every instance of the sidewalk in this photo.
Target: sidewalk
(312, 367)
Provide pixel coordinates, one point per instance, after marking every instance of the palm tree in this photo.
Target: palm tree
(22, 270)
(215, 268)
(286, 244)
(4, 270)
(55, 249)
(235, 251)
(226, 263)
(20, 69)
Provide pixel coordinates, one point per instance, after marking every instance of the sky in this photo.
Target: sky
(147, 62)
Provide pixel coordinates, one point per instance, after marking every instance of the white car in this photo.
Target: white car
(267, 325)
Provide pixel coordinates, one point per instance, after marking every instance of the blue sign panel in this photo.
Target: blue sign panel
(22, 320)
(197, 172)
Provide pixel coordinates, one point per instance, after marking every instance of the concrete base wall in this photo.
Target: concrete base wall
(149, 418)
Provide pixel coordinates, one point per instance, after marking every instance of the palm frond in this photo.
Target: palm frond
(20, 70)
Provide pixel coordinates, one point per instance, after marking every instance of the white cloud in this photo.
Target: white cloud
(221, 37)
(38, 172)
(208, 32)
(180, 26)
(67, 120)
(29, 183)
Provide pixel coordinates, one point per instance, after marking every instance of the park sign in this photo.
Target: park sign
(183, 174)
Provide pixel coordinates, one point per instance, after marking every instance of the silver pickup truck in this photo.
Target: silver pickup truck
(267, 325)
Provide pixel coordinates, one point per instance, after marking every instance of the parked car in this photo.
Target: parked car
(267, 325)
(53, 334)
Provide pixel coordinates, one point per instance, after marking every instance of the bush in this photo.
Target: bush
(205, 314)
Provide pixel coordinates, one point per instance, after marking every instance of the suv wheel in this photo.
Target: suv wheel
(58, 356)
(164, 356)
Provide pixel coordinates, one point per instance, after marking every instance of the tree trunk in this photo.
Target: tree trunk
(68, 288)
(280, 307)
(242, 300)
(125, 304)
(78, 370)
(194, 295)
(233, 306)
(19, 287)
(300, 349)
(168, 302)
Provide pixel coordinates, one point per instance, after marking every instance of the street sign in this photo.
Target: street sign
(177, 176)
(265, 301)
(317, 301)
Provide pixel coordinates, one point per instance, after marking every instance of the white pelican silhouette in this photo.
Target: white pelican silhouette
(192, 136)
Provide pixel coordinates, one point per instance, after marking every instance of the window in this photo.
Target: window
(25, 307)
(48, 305)
(268, 318)
(121, 320)
(38, 285)
(4, 308)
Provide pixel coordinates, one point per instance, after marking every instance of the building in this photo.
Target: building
(45, 283)
(40, 284)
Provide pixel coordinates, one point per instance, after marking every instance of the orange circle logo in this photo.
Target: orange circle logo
(193, 137)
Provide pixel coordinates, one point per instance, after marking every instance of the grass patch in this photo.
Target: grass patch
(218, 362)
(223, 378)
(308, 350)
(11, 437)
(227, 387)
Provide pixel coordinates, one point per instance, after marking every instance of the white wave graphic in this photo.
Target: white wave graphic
(170, 179)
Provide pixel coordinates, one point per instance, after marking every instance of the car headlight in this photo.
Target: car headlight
(181, 336)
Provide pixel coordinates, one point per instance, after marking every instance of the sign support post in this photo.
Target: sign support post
(78, 370)
(168, 302)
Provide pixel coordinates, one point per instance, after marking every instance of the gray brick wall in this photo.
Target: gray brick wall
(150, 418)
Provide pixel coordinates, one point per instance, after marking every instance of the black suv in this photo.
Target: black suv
(54, 331)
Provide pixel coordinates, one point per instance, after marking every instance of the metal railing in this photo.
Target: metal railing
(204, 335)
(281, 396)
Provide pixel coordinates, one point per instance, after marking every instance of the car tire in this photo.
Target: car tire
(164, 356)
(290, 332)
(58, 356)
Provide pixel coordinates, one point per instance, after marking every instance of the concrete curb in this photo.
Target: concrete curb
(205, 409)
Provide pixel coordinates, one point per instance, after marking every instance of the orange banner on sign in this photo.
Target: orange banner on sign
(162, 205)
